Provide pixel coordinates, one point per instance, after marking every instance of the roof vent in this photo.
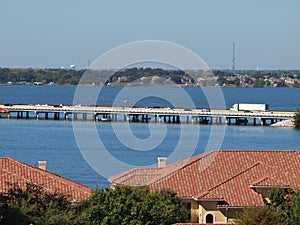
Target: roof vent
(162, 162)
(42, 164)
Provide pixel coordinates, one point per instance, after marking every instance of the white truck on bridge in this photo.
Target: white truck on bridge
(249, 107)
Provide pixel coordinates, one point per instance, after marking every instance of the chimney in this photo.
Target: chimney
(162, 162)
(42, 164)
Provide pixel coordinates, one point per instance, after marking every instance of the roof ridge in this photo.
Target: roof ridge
(119, 176)
(277, 181)
(249, 168)
(122, 175)
(261, 179)
(137, 175)
(275, 170)
(234, 176)
(257, 150)
(189, 162)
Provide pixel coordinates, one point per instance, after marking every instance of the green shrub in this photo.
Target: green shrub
(296, 119)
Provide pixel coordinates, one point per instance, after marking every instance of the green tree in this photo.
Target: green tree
(133, 205)
(295, 209)
(286, 204)
(296, 119)
(259, 216)
(279, 203)
(259, 83)
(37, 206)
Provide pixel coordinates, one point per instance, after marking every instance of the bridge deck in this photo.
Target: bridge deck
(149, 111)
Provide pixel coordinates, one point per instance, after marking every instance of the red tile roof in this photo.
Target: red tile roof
(13, 171)
(228, 175)
(268, 182)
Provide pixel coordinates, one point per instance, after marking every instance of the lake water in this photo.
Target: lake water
(123, 146)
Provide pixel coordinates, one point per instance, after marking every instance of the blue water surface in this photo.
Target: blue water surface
(30, 141)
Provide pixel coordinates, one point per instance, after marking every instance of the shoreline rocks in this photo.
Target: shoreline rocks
(284, 123)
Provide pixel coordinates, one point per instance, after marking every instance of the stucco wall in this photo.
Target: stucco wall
(199, 211)
(194, 210)
(206, 208)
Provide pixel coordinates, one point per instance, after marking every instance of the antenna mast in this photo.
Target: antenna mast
(233, 58)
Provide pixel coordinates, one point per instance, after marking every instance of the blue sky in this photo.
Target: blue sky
(55, 33)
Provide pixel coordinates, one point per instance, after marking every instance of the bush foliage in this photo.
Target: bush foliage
(296, 119)
(121, 205)
(284, 209)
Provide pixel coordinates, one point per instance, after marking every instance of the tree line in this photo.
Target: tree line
(73, 77)
(148, 76)
(120, 205)
(44, 76)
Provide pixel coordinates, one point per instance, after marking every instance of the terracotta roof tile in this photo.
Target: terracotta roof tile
(269, 182)
(137, 176)
(226, 174)
(13, 171)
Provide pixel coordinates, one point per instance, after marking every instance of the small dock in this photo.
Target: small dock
(144, 114)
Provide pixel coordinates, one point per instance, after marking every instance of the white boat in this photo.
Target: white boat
(107, 119)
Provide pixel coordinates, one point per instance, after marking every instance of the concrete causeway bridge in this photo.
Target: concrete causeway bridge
(144, 114)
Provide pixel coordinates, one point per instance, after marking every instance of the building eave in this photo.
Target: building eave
(209, 199)
(231, 207)
(270, 187)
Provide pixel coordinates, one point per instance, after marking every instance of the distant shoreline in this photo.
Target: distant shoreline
(151, 77)
(125, 85)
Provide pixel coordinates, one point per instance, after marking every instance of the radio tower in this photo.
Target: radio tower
(233, 58)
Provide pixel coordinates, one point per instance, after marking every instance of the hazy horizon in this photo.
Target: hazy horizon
(54, 34)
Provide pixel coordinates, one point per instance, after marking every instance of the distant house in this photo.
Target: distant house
(218, 184)
(13, 171)
(37, 83)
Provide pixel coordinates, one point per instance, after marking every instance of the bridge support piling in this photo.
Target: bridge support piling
(228, 120)
(219, 120)
(56, 116)
(263, 122)
(66, 116)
